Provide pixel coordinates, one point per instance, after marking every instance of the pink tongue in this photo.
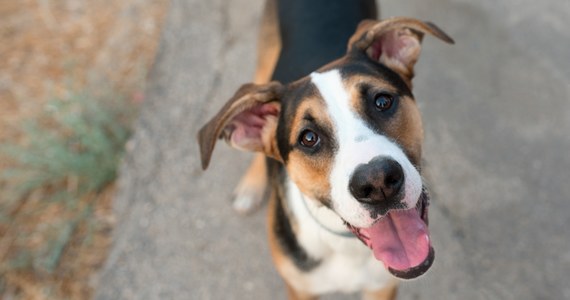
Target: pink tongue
(400, 240)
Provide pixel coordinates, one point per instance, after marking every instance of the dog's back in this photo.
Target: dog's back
(315, 32)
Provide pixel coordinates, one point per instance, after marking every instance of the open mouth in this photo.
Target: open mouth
(401, 240)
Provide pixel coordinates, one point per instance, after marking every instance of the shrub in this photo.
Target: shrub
(69, 155)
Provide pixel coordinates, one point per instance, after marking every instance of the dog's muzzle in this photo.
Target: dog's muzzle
(400, 239)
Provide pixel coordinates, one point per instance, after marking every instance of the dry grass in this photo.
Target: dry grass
(52, 49)
(71, 278)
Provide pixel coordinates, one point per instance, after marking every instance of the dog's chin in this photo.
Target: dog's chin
(400, 240)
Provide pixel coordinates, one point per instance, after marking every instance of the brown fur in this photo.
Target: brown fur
(248, 95)
(268, 43)
(294, 294)
(282, 262)
(387, 293)
(369, 31)
(252, 185)
(405, 127)
(312, 175)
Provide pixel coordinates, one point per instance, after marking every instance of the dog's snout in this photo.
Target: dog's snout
(377, 182)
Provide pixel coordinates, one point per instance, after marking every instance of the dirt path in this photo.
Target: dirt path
(51, 50)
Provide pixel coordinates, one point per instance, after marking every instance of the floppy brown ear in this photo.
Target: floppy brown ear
(247, 122)
(394, 42)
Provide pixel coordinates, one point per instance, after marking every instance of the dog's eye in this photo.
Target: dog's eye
(383, 101)
(309, 138)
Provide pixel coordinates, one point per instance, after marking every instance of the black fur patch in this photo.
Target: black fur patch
(315, 32)
(295, 93)
(287, 239)
(360, 64)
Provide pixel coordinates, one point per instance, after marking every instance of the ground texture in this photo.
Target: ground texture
(55, 50)
(497, 119)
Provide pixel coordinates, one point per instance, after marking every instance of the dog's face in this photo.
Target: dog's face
(350, 137)
(340, 119)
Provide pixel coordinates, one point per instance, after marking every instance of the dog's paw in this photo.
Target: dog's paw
(250, 192)
(248, 198)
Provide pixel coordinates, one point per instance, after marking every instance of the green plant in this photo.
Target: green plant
(70, 153)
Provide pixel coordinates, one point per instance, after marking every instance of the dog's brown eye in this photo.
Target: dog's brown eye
(309, 138)
(383, 101)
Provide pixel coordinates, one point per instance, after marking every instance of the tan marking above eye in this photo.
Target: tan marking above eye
(352, 85)
(404, 127)
(314, 107)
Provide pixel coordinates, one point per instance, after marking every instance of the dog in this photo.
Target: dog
(340, 140)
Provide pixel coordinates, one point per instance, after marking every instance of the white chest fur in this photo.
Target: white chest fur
(347, 265)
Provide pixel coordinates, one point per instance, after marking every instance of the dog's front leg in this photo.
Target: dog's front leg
(296, 295)
(387, 293)
(268, 43)
(250, 192)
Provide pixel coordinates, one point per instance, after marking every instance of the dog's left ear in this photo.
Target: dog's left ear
(248, 121)
(394, 42)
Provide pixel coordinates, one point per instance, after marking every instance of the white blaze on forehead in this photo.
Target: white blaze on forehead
(357, 144)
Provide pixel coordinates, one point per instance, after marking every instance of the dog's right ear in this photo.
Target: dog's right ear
(248, 121)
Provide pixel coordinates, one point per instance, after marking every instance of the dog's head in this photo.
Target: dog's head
(350, 136)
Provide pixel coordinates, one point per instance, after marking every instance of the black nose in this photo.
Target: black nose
(377, 182)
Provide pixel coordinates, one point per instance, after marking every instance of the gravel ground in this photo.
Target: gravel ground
(497, 115)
